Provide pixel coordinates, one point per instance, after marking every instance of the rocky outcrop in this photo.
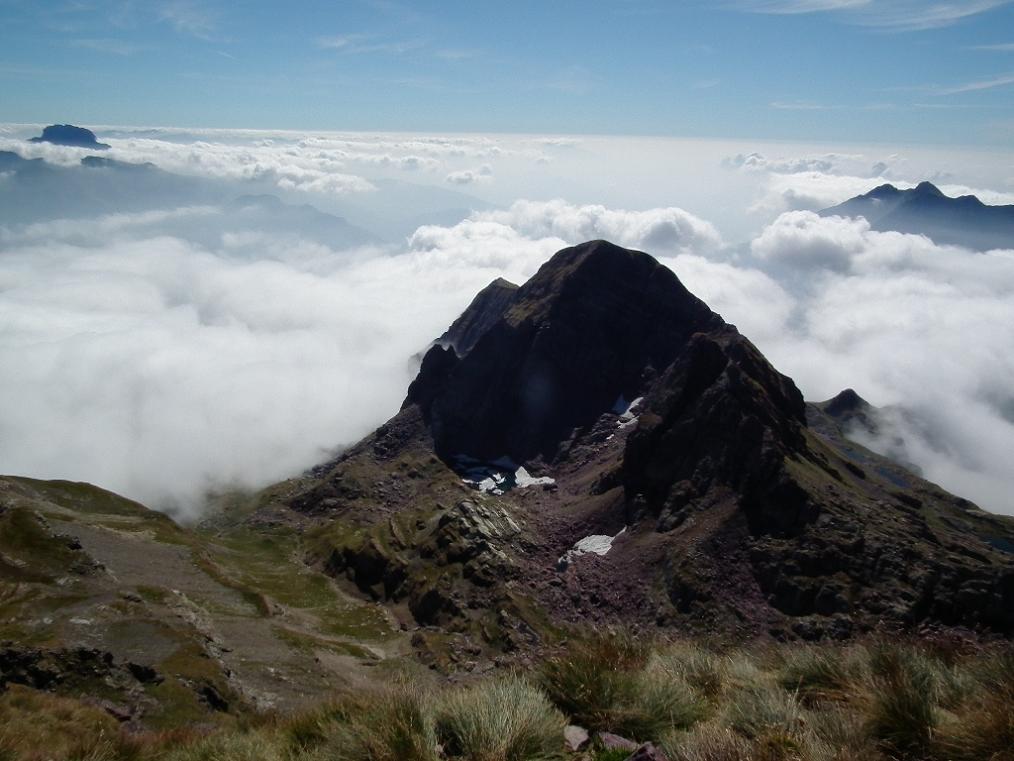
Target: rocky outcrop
(593, 325)
(486, 308)
(45, 669)
(68, 134)
(426, 558)
(720, 417)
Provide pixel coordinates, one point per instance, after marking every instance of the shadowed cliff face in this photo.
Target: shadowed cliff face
(598, 325)
(720, 416)
(485, 310)
(595, 324)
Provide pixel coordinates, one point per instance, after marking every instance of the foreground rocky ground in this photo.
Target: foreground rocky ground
(602, 698)
(102, 598)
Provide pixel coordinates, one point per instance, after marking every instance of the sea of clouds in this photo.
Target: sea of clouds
(167, 352)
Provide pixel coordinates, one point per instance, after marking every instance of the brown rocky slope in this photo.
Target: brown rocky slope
(602, 399)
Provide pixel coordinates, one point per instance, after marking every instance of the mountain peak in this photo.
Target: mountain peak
(926, 188)
(926, 210)
(887, 190)
(639, 411)
(602, 271)
(68, 134)
(845, 402)
(485, 309)
(555, 354)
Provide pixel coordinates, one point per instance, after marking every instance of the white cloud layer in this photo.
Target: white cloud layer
(662, 231)
(161, 368)
(909, 323)
(167, 352)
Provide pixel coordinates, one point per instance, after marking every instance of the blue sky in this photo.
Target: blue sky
(899, 71)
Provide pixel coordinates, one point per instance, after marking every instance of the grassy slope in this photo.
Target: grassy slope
(225, 614)
(934, 700)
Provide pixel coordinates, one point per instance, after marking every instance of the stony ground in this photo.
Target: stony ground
(220, 614)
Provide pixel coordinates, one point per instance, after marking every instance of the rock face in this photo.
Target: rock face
(925, 210)
(68, 134)
(486, 308)
(590, 327)
(729, 503)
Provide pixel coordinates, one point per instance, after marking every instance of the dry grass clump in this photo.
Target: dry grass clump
(503, 720)
(608, 684)
(881, 701)
(388, 725)
(592, 680)
(817, 673)
(38, 726)
(984, 728)
(228, 746)
(707, 742)
(902, 702)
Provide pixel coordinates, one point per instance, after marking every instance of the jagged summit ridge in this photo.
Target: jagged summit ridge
(595, 323)
(486, 308)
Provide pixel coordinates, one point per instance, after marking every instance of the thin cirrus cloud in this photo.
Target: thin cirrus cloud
(780, 105)
(189, 18)
(364, 44)
(977, 85)
(791, 7)
(899, 15)
(107, 45)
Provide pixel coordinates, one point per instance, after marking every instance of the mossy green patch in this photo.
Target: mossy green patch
(269, 564)
(33, 552)
(81, 497)
(309, 643)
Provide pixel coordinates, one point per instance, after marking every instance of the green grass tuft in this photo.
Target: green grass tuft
(504, 720)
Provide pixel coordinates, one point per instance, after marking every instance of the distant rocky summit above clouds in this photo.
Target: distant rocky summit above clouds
(926, 210)
(68, 134)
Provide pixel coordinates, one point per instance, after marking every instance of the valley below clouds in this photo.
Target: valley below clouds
(249, 302)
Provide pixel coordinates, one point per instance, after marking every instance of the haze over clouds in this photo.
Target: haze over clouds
(167, 351)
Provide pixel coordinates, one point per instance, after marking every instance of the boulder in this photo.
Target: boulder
(575, 738)
(609, 741)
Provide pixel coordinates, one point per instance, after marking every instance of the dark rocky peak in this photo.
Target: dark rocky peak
(68, 134)
(845, 412)
(846, 402)
(886, 191)
(486, 308)
(601, 280)
(928, 189)
(925, 210)
(101, 162)
(596, 323)
(721, 419)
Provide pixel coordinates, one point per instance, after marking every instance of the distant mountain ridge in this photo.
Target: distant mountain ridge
(926, 210)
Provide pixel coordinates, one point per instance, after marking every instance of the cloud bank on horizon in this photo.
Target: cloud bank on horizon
(168, 351)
